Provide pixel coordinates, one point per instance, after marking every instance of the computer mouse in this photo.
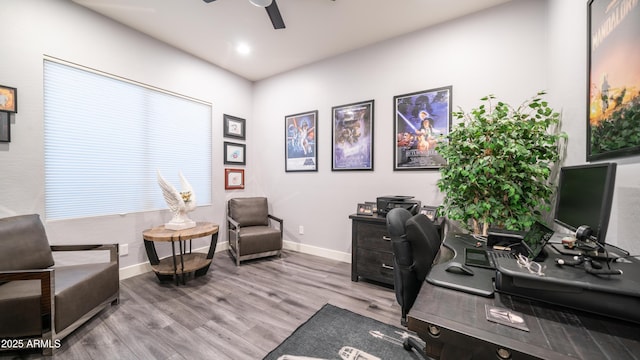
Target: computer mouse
(458, 268)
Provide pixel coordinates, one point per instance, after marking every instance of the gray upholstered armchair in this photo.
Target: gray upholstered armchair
(251, 234)
(41, 301)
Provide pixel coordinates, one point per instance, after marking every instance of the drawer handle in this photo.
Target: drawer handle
(388, 267)
(386, 238)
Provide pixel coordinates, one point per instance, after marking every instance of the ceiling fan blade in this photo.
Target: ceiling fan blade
(274, 15)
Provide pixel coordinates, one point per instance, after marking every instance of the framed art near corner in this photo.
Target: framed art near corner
(301, 149)
(613, 125)
(365, 209)
(233, 179)
(234, 127)
(5, 127)
(352, 136)
(422, 119)
(234, 153)
(8, 99)
(429, 211)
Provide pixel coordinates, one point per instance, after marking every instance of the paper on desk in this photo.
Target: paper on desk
(505, 316)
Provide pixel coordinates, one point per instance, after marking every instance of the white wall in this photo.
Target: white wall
(512, 51)
(567, 78)
(62, 29)
(501, 51)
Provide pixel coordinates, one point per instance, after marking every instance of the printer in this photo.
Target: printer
(386, 203)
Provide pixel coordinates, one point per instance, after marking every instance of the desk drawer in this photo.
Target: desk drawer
(373, 236)
(375, 265)
(449, 344)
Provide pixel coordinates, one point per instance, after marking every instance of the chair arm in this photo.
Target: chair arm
(235, 224)
(113, 249)
(275, 218)
(47, 289)
(279, 220)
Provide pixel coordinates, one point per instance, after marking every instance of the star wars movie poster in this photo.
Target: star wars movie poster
(614, 78)
(422, 119)
(302, 139)
(353, 136)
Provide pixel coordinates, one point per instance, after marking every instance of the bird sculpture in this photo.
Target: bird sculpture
(180, 203)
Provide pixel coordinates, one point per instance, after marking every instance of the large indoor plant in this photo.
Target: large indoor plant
(499, 164)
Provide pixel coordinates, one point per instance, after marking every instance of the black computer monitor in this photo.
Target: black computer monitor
(584, 197)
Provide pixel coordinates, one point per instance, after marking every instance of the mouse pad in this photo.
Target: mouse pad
(480, 283)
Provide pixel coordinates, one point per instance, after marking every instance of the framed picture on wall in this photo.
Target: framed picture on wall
(613, 114)
(352, 136)
(5, 127)
(301, 148)
(233, 179)
(422, 119)
(8, 99)
(234, 153)
(234, 127)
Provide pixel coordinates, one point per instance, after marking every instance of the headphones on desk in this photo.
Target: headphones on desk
(590, 266)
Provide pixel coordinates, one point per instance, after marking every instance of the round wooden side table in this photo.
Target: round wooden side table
(183, 262)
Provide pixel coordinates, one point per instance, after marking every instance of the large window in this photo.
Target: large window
(106, 137)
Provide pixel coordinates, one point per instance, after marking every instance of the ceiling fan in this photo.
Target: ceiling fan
(272, 11)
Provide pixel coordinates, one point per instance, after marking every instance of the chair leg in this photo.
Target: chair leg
(403, 319)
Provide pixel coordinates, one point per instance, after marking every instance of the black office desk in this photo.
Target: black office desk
(453, 323)
(553, 333)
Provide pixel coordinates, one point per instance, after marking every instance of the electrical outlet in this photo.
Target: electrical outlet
(123, 249)
(301, 230)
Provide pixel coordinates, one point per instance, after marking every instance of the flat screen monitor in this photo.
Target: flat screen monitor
(584, 197)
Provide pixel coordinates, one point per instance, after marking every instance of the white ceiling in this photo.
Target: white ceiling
(315, 29)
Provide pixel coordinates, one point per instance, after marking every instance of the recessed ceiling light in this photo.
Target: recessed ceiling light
(243, 49)
(261, 3)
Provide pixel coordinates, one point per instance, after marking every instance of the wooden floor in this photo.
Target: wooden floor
(230, 313)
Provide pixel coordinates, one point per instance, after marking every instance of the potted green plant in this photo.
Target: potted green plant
(499, 164)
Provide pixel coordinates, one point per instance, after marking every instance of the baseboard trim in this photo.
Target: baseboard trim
(318, 251)
(139, 269)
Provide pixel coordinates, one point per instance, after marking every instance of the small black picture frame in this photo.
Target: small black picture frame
(365, 209)
(5, 127)
(374, 205)
(234, 127)
(430, 211)
(234, 153)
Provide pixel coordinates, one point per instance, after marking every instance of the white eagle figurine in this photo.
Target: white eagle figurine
(180, 203)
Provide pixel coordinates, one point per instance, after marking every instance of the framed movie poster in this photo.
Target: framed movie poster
(422, 119)
(352, 136)
(234, 127)
(613, 126)
(301, 148)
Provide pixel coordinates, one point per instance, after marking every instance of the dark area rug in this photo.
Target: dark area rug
(336, 333)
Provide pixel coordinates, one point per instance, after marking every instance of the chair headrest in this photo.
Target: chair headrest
(249, 211)
(396, 220)
(24, 244)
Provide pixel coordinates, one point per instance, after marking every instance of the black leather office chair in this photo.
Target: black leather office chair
(415, 242)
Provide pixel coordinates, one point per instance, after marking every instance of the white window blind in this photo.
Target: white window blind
(106, 137)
